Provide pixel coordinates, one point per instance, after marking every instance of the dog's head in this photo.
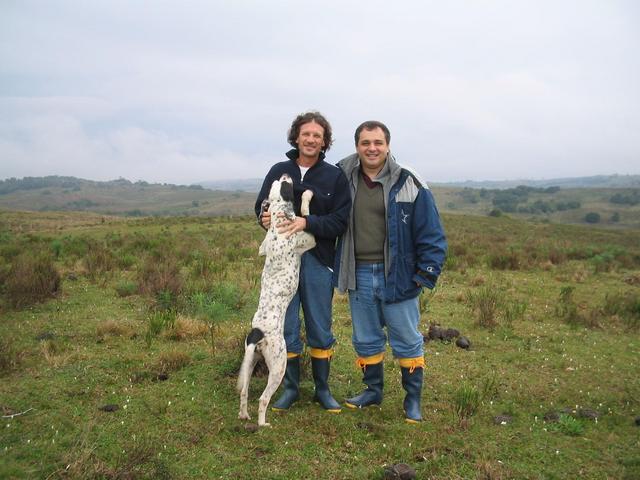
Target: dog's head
(281, 202)
(281, 190)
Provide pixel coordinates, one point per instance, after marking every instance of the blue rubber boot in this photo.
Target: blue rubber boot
(291, 383)
(412, 384)
(320, 368)
(373, 378)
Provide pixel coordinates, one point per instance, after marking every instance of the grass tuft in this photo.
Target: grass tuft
(172, 361)
(32, 278)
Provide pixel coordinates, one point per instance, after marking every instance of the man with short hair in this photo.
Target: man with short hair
(310, 136)
(394, 246)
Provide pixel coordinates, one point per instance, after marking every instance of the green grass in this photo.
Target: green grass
(529, 363)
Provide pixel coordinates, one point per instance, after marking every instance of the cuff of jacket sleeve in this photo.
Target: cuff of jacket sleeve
(425, 279)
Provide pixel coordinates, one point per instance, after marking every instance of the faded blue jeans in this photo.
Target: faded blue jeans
(315, 295)
(369, 316)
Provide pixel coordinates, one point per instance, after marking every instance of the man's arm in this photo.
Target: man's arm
(335, 223)
(430, 240)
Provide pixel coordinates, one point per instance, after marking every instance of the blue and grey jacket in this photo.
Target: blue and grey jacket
(415, 245)
(329, 208)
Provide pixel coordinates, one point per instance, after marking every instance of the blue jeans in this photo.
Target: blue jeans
(315, 294)
(369, 316)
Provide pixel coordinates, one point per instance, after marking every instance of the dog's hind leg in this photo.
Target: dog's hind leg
(277, 363)
(251, 357)
(243, 381)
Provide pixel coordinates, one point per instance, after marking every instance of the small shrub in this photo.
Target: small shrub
(126, 288)
(157, 321)
(115, 329)
(566, 307)
(185, 327)
(173, 361)
(514, 310)
(567, 310)
(592, 217)
(126, 261)
(624, 305)
(466, 401)
(160, 275)
(55, 353)
(56, 248)
(9, 358)
(32, 278)
(568, 425)
(557, 256)
(489, 388)
(505, 261)
(603, 262)
(98, 260)
(484, 303)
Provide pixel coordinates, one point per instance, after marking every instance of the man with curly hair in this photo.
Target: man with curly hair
(311, 137)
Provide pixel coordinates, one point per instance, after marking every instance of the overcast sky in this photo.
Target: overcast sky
(190, 91)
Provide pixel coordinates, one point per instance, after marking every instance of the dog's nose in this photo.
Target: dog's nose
(285, 178)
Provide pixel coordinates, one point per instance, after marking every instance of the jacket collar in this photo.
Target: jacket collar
(389, 173)
(294, 153)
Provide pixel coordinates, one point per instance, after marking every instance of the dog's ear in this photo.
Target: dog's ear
(286, 191)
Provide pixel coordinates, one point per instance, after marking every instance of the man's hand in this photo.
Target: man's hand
(266, 220)
(289, 227)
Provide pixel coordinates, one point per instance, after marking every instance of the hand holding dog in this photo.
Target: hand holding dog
(290, 227)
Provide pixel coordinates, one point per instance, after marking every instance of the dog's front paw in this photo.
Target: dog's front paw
(244, 416)
(264, 425)
(307, 195)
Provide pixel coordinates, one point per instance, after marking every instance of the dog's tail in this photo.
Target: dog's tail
(254, 337)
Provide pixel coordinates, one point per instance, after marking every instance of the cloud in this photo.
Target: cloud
(185, 92)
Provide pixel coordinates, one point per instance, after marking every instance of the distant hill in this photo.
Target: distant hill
(589, 204)
(120, 197)
(598, 181)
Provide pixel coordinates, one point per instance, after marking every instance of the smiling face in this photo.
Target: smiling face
(372, 149)
(310, 142)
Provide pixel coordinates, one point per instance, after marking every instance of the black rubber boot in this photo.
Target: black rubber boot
(290, 383)
(320, 368)
(412, 384)
(373, 378)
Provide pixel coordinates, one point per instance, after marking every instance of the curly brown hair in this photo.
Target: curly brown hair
(308, 117)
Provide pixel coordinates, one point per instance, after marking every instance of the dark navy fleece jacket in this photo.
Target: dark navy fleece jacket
(330, 206)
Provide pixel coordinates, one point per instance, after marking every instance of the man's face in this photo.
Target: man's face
(372, 149)
(310, 139)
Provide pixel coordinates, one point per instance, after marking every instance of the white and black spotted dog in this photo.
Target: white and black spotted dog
(278, 286)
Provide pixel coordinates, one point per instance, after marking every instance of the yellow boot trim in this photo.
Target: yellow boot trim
(320, 353)
(411, 363)
(292, 355)
(362, 362)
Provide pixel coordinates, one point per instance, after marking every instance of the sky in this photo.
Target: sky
(192, 91)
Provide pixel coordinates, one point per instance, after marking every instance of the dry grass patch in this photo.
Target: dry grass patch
(9, 357)
(172, 361)
(32, 278)
(55, 354)
(185, 328)
(115, 329)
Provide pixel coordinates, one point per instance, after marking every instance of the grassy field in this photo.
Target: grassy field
(120, 340)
